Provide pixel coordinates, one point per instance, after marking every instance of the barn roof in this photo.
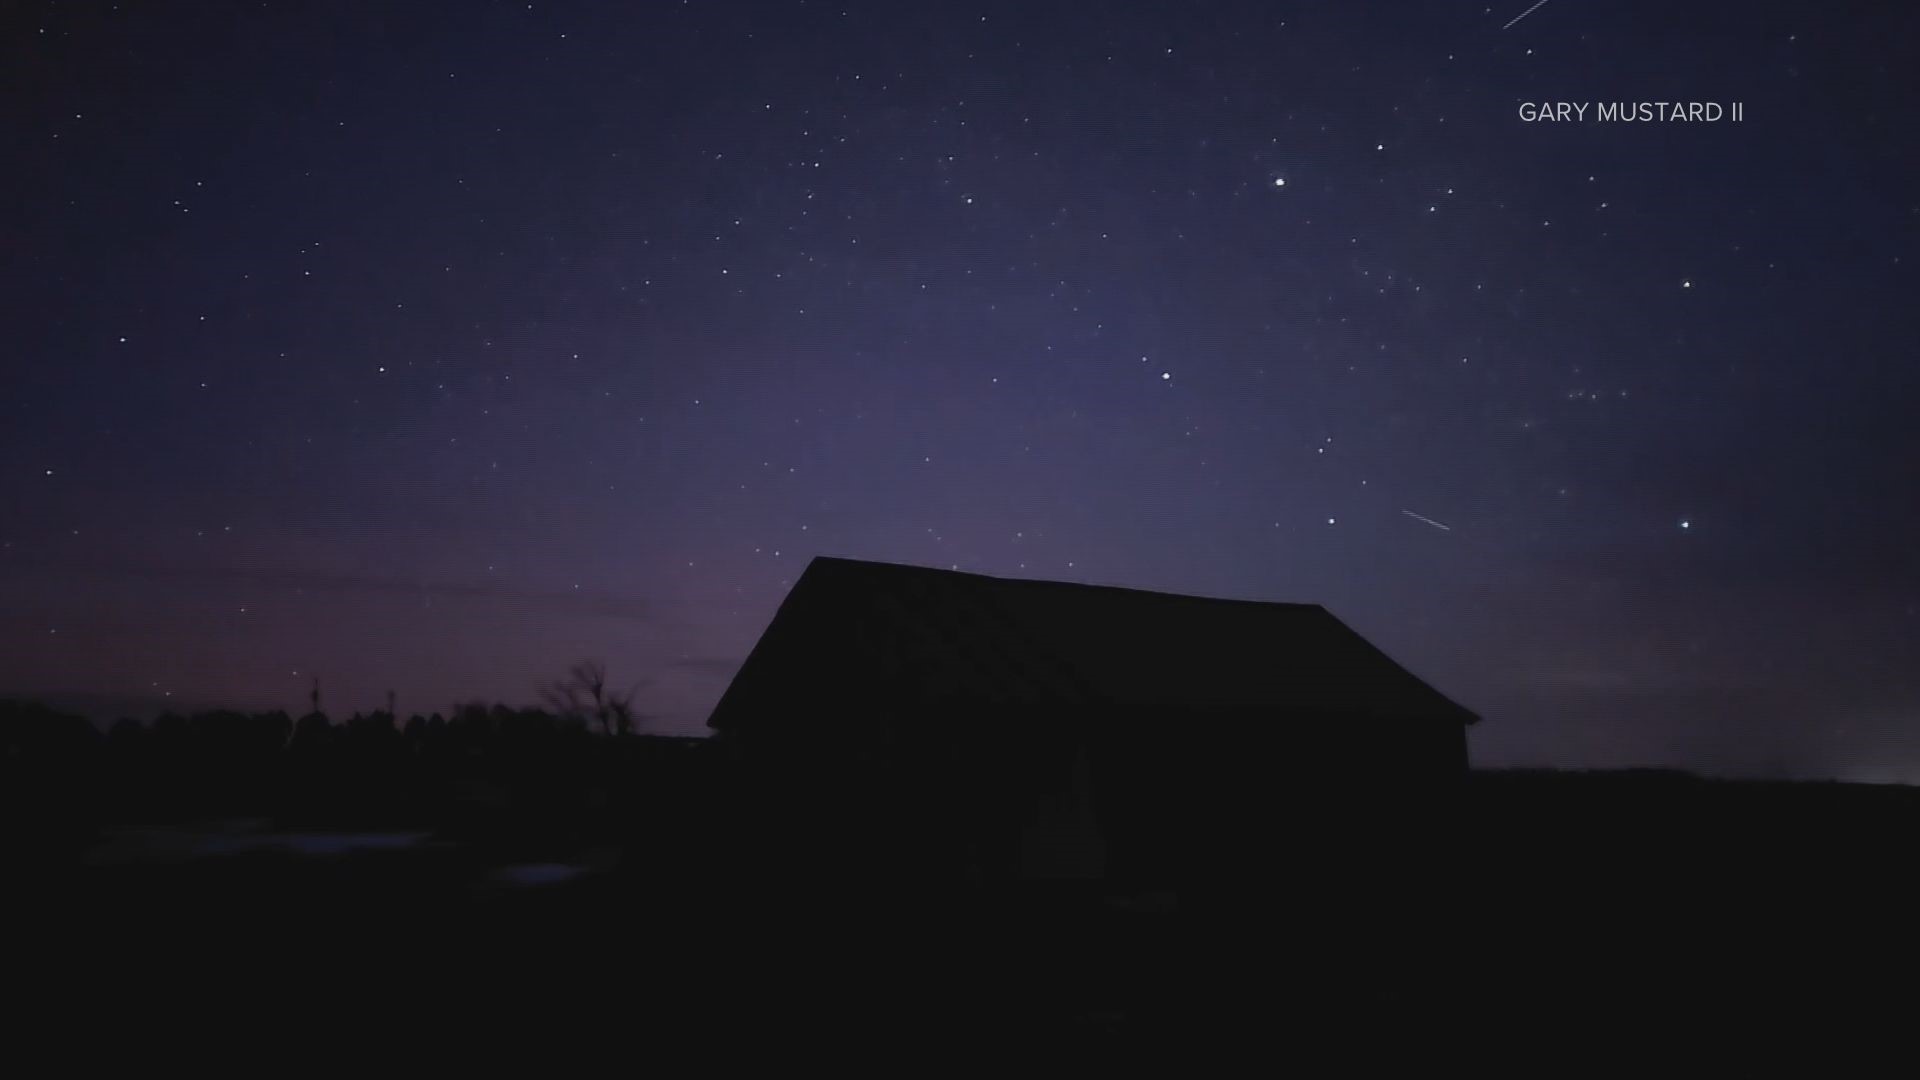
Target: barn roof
(855, 637)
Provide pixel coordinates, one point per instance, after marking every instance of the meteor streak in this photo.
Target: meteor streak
(1523, 15)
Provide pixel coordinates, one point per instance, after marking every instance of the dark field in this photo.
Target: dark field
(534, 891)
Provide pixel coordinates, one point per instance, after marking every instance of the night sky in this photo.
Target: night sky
(430, 347)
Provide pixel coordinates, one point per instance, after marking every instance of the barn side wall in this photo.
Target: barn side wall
(1145, 801)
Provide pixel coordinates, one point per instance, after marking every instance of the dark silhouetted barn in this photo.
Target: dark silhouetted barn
(998, 729)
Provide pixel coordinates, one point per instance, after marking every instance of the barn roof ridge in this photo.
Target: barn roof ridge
(852, 630)
(835, 562)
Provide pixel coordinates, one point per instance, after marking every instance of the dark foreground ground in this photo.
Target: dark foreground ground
(1580, 913)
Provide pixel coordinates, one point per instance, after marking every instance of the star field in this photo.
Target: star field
(432, 347)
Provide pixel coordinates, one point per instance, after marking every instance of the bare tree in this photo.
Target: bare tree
(584, 693)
